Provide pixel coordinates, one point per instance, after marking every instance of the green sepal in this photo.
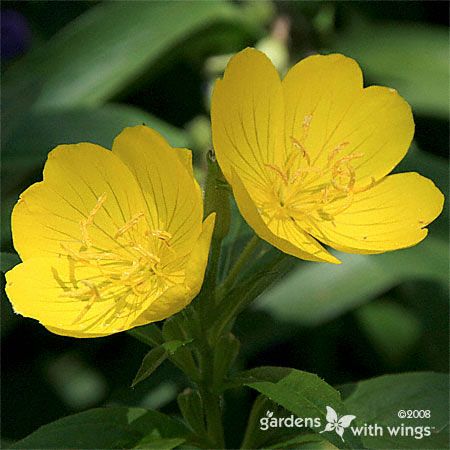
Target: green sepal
(217, 198)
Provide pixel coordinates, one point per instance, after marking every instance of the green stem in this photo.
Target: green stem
(234, 304)
(213, 410)
(234, 237)
(211, 399)
(235, 271)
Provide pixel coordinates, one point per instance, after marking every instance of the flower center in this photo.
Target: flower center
(303, 189)
(135, 267)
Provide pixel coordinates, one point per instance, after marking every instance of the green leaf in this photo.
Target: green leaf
(172, 347)
(302, 393)
(315, 293)
(8, 261)
(27, 148)
(155, 357)
(152, 360)
(378, 400)
(411, 58)
(111, 45)
(104, 428)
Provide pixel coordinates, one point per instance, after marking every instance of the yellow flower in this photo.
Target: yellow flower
(308, 157)
(110, 240)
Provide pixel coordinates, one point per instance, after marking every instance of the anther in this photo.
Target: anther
(302, 149)
(278, 172)
(162, 235)
(130, 224)
(336, 150)
(307, 121)
(100, 201)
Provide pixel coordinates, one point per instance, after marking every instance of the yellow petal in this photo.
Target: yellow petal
(285, 236)
(42, 288)
(329, 113)
(173, 198)
(390, 216)
(49, 214)
(248, 118)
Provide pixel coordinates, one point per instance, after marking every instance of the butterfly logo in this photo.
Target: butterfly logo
(336, 423)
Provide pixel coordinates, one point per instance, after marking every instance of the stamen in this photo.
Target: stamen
(162, 235)
(278, 172)
(336, 150)
(90, 220)
(130, 224)
(365, 188)
(302, 149)
(306, 125)
(307, 121)
(92, 292)
(100, 201)
(84, 234)
(144, 252)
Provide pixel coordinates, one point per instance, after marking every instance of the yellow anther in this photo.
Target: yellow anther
(84, 234)
(306, 125)
(144, 252)
(130, 224)
(307, 121)
(278, 172)
(90, 220)
(350, 157)
(302, 149)
(305, 171)
(94, 295)
(162, 235)
(336, 150)
(365, 188)
(100, 201)
(74, 255)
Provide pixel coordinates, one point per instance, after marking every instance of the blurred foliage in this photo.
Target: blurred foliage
(96, 67)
